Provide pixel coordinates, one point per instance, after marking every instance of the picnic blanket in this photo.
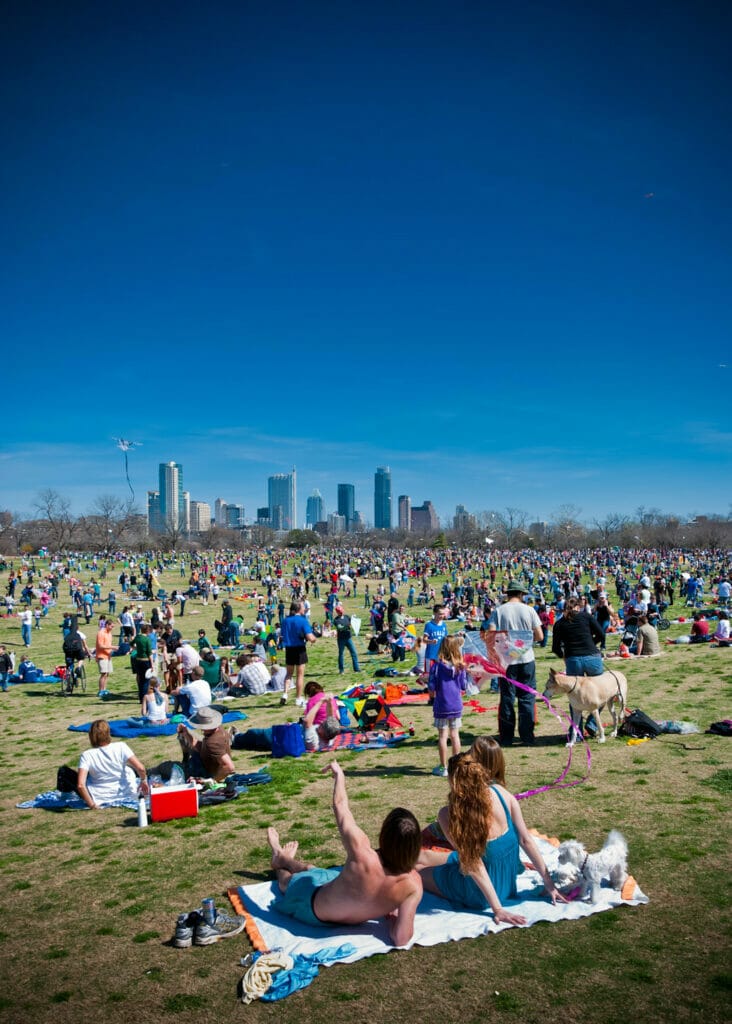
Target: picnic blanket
(130, 728)
(349, 740)
(55, 800)
(15, 680)
(436, 921)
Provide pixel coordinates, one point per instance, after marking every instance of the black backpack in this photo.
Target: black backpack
(74, 646)
(639, 726)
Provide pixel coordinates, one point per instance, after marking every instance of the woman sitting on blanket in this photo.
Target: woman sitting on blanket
(320, 721)
(488, 753)
(107, 771)
(485, 825)
(155, 704)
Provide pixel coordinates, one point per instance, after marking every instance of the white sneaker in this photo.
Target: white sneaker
(283, 699)
(300, 702)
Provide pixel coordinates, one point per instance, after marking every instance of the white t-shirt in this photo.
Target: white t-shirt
(199, 692)
(109, 777)
(188, 657)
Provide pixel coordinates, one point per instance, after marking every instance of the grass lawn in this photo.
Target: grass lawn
(90, 901)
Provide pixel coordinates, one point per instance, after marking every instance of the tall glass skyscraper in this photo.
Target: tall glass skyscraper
(315, 509)
(382, 498)
(347, 503)
(172, 503)
(282, 493)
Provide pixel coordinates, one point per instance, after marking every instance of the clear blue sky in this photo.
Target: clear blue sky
(486, 244)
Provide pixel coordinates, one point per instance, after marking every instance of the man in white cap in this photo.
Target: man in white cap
(210, 756)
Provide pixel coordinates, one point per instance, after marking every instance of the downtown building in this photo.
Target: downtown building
(168, 508)
(282, 500)
(382, 498)
(347, 504)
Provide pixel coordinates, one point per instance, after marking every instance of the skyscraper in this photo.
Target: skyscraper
(315, 509)
(405, 512)
(382, 498)
(424, 518)
(347, 503)
(200, 516)
(282, 493)
(170, 490)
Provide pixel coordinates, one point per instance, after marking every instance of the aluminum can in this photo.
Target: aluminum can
(208, 910)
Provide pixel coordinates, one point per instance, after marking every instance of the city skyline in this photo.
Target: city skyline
(500, 266)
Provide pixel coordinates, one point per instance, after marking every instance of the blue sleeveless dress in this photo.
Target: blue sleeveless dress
(502, 862)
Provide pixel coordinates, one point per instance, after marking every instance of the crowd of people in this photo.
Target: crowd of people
(573, 599)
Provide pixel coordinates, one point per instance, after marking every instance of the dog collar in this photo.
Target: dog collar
(576, 680)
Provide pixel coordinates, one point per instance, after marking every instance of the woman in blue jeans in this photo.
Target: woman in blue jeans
(575, 638)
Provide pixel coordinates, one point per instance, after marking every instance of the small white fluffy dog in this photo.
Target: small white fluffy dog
(576, 865)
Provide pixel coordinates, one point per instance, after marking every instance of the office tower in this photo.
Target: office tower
(234, 519)
(336, 524)
(315, 509)
(220, 512)
(154, 519)
(282, 492)
(347, 503)
(424, 518)
(405, 512)
(200, 516)
(463, 520)
(186, 511)
(382, 498)
(170, 490)
(263, 516)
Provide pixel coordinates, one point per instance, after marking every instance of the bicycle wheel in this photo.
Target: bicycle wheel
(81, 676)
(663, 624)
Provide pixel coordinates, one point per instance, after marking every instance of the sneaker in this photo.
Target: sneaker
(283, 699)
(300, 702)
(224, 927)
(184, 928)
(439, 770)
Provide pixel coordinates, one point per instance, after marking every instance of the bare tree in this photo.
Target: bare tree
(55, 513)
(610, 527)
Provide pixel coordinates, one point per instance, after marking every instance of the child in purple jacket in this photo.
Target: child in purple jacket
(448, 681)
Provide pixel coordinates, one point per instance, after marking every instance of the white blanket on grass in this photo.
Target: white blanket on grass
(436, 921)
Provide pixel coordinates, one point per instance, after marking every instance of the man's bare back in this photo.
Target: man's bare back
(364, 889)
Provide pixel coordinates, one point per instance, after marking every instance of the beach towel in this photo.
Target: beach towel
(131, 728)
(364, 741)
(436, 920)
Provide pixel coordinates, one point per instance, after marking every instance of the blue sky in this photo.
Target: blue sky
(485, 244)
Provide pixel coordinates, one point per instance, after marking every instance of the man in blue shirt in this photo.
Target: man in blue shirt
(296, 634)
(435, 632)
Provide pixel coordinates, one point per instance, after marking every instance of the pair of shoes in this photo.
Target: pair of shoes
(439, 770)
(283, 699)
(300, 702)
(184, 928)
(224, 927)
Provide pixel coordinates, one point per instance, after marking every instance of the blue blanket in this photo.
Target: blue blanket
(15, 680)
(131, 728)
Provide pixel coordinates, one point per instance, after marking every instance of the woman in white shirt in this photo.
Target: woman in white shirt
(107, 771)
(155, 704)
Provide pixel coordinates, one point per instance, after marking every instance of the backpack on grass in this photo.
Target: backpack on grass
(639, 726)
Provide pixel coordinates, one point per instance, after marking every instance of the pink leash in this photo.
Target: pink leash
(559, 715)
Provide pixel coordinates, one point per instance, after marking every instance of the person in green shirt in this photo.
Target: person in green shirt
(143, 659)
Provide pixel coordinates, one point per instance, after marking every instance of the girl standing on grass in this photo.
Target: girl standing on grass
(448, 681)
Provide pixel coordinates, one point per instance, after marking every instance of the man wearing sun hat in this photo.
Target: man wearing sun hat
(210, 756)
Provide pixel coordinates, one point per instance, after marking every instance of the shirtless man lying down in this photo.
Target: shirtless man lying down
(371, 884)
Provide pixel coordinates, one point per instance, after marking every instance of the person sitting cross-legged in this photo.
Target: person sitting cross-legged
(209, 757)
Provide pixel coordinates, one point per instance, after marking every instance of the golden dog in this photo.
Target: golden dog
(590, 694)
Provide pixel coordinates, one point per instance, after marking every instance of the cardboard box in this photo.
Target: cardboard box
(168, 802)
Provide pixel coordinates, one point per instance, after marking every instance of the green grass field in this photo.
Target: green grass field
(90, 901)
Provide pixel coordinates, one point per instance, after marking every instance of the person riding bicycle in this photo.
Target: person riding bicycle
(75, 651)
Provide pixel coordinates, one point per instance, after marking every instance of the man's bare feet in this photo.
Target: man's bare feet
(280, 852)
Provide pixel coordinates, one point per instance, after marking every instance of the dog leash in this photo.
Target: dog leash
(559, 782)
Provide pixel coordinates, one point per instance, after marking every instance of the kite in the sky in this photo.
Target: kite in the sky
(126, 446)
